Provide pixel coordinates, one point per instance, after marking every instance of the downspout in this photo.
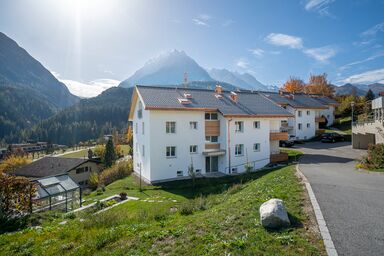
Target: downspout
(229, 145)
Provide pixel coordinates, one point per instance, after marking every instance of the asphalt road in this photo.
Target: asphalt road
(351, 201)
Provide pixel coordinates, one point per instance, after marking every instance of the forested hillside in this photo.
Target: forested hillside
(89, 119)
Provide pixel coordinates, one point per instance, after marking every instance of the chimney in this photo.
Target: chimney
(234, 97)
(218, 89)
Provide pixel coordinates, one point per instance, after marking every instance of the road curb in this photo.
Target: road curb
(327, 239)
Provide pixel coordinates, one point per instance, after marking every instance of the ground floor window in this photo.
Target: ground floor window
(256, 147)
(179, 173)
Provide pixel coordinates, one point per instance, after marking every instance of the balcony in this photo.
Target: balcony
(285, 127)
(279, 157)
(320, 119)
(213, 149)
(278, 135)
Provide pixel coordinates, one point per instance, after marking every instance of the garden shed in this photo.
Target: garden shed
(56, 193)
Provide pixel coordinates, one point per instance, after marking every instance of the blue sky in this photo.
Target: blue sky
(92, 44)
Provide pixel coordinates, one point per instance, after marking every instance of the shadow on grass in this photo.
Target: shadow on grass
(209, 185)
(295, 223)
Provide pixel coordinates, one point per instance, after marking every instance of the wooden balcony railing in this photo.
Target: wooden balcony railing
(212, 128)
(280, 157)
(320, 119)
(278, 135)
(212, 146)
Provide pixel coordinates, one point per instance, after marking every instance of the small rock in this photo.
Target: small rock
(63, 222)
(273, 214)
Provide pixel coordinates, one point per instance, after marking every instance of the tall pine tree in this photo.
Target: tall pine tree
(110, 154)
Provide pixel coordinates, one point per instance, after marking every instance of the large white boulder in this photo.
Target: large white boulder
(273, 214)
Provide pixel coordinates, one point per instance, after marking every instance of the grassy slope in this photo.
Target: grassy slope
(343, 124)
(230, 224)
(84, 152)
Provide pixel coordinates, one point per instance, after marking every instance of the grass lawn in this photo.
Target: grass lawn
(343, 124)
(223, 221)
(84, 152)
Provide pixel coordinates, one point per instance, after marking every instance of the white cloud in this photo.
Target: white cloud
(374, 30)
(321, 54)
(372, 76)
(293, 42)
(373, 57)
(319, 6)
(257, 52)
(242, 63)
(228, 23)
(90, 89)
(202, 20)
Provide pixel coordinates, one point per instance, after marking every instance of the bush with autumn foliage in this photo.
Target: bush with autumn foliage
(15, 194)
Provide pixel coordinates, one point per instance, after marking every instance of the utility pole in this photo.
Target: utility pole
(352, 107)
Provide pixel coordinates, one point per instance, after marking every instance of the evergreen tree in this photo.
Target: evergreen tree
(370, 95)
(110, 154)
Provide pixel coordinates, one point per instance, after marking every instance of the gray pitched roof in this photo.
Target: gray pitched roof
(49, 166)
(249, 103)
(295, 101)
(326, 100)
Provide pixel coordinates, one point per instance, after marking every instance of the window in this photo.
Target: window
(179, 173)
(171, 151)
(308, 125)
(80, 170)
(234, 170)
(239, 126)
(198, 171)
(193, 149)
(170, 127)
(212, 139)
(239, 149)
(136, 127)
(143, 153)
(256, 124)
(308, 112)
(299, 126)
(193, 125)
(299, 113)
(142, 130)
(211, 116)
(256, 147)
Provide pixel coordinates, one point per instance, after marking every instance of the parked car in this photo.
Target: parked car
(286, 143)
(331, 137)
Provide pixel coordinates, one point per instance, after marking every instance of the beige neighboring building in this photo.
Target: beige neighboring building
(78, 169)
(370, 131)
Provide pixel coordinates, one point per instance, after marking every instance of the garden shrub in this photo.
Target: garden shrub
(123, 196)
(116, 172)
(375, 157)
(187, 208)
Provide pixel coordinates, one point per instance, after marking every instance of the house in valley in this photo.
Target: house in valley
(213, 130)
(78, 169)
(308, 113)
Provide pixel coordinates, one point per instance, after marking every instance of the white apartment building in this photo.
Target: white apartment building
(213, 130)
(308, 113)
(370, 131)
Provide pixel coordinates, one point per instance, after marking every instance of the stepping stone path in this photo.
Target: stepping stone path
(158, 199)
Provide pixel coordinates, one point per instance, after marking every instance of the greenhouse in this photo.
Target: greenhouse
(56, 193)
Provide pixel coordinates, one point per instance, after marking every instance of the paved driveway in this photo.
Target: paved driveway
(352, 201)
